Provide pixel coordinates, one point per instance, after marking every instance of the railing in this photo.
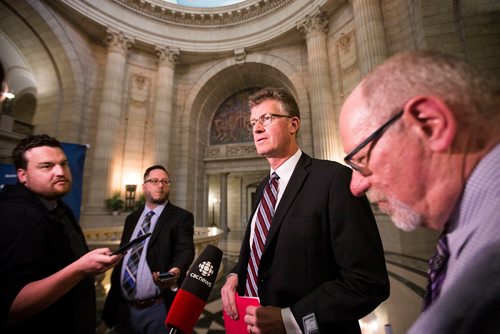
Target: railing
(111, 236)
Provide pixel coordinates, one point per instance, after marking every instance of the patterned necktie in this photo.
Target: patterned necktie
(437, 271)
(265, 213)
(130, 273)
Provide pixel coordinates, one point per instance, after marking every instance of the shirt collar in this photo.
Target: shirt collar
(286, 169)
(158, 210)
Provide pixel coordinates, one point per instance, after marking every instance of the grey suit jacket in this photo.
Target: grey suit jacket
(470, 298)
(470, 305)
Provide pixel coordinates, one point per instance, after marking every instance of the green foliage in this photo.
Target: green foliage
(115, 203)
(140, 202)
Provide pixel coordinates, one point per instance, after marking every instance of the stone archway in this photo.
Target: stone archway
(217, 84)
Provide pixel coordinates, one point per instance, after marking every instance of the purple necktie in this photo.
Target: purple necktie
(437, 271)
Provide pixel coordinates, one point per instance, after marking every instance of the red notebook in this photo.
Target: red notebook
(239, 326)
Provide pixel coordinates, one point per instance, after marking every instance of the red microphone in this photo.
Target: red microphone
(194, 292)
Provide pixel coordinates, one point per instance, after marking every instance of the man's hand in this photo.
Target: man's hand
(102, 328)
(228, 293)
(96, 261)
(264, 320)
(35, 296)
(168, 283)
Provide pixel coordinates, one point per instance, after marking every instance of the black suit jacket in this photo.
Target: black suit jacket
(323, 254)
(170, 245)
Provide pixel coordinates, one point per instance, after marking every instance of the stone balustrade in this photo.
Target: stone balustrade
(110, 237)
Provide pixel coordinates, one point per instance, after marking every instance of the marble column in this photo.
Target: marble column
(167, 58)
(206, 206)
(223, 203)
(325, 142)
(370, 34)
(109, 119)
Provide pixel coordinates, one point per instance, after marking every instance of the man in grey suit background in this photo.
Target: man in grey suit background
(322, 265)
(142, 308)
(422, 133)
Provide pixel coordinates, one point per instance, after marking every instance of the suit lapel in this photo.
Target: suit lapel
(130, 224)
(167, 211)
(297, 179)
(259, 192)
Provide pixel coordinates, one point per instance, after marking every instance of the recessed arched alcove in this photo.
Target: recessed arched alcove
(232, 166)
(23, 110)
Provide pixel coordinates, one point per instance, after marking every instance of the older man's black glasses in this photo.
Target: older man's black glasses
(362, 166)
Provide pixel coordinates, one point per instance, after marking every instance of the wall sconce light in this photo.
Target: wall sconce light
(8, 95)
(130, 196)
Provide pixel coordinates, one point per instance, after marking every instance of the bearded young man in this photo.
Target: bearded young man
(46, 271)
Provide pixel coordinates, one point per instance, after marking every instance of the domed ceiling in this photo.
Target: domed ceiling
(220, 26)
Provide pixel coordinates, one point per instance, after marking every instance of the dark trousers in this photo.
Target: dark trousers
(150, 320)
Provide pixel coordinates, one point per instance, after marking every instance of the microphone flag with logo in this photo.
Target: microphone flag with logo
(194, 291)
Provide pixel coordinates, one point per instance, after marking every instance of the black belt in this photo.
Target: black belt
(145, 303)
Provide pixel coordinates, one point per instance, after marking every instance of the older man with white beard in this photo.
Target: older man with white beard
(422, 135)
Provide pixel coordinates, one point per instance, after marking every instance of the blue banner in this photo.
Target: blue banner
(7, 175)
(76, 159)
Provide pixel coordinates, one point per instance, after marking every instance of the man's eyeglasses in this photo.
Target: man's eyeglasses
(264, 120)
(156, 182)
(362, 165)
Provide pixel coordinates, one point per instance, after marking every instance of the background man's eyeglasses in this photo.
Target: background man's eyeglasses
(358, 165)
(264, 120)
(156, 182)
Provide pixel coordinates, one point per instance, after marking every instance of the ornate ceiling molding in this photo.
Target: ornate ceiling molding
(197, 30)
(190, 17)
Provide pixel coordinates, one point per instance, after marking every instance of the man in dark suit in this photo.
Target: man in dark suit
(322, 265)
(141, 307)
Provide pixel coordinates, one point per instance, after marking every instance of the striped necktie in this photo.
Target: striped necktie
(130, 273)
(265, 213)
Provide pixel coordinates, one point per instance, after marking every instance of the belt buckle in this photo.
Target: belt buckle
(144, 303)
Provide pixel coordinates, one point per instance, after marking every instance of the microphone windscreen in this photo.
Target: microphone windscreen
(195, 290)
(185, 311)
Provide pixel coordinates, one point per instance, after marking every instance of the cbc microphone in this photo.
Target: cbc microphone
(194, 292)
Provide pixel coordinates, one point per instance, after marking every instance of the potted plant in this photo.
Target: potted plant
(115, 203)
(139, 202)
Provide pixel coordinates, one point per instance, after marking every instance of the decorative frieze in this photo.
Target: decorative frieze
(231, 151)
(346, 48)
(140, 90)
(218, 17)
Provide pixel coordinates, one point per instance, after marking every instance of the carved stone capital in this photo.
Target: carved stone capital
(117, 41)
(165, 53)
(317, 22)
